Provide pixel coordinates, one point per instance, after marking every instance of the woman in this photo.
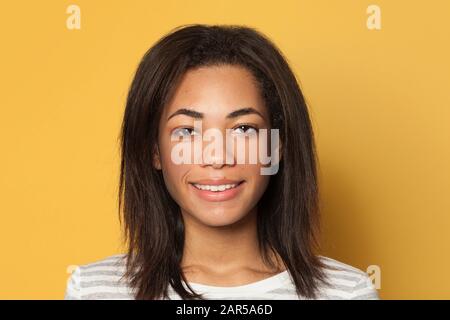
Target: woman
(214, 227)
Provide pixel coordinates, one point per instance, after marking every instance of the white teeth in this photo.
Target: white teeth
(215, 188)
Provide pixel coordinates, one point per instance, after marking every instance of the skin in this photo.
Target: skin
(221, 246)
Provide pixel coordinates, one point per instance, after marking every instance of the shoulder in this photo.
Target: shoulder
(346, 281)
(101, 279)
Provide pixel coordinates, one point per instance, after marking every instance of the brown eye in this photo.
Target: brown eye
(245, 129)
(183, 132)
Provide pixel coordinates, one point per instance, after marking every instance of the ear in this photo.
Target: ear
(280, 148)
(280, 151)
(156, 158)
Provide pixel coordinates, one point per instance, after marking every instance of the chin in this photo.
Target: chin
(219, 217)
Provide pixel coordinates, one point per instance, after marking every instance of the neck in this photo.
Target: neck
(223, 249)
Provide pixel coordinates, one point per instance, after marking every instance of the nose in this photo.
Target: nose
(217, 157)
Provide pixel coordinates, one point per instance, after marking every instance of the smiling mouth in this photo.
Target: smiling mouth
(216, 188)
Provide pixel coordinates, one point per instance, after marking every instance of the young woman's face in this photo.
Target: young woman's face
(214, 192)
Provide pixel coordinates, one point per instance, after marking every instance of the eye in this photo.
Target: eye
(183, 132)
(245, 129)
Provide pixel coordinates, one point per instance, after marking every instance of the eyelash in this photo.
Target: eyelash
(174, 132)
(248, 126)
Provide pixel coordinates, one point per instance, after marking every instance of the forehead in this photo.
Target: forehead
(216, 90)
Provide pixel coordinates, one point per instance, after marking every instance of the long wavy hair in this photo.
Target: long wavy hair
(288, 211)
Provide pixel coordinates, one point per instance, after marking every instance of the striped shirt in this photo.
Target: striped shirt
(101, 280)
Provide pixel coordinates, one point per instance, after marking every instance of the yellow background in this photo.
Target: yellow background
(379, 103)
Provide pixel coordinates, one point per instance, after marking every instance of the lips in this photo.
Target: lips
(217, 189)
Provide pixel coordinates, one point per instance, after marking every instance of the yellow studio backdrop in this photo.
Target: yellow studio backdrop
(379, 101)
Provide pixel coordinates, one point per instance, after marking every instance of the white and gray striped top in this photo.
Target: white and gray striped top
(102, 280)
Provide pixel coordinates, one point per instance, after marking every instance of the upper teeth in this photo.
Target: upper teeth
(221, 187)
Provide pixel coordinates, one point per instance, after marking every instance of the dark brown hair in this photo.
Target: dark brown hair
(288, 212)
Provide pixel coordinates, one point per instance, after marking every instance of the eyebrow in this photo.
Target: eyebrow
(242, 112)
(187, 112)
(199, 115)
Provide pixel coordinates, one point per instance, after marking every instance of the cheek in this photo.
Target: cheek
(258, 181)
(173, 173)
(261, 182)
